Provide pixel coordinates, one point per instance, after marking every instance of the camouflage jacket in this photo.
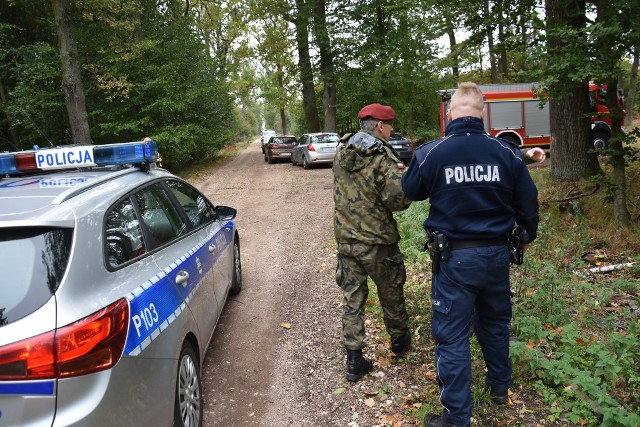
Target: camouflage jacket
(367, 190)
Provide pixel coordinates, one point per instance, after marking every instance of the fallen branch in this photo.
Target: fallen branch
(604, 269)
(577, 196)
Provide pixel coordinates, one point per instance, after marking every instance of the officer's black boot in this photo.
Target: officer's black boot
(400, 345)
(357, 366)
(433, 420)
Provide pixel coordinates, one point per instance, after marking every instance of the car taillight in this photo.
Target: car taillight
(310, 147)
(92, 344)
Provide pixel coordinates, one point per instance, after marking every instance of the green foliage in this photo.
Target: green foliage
(145, 73)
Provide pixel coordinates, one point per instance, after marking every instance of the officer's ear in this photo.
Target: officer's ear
(482, 114)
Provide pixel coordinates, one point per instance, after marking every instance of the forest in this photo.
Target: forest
(198, 75)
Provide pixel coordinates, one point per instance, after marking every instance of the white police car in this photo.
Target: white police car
(113, 273)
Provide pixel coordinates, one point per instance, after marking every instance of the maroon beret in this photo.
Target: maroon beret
(377, 112)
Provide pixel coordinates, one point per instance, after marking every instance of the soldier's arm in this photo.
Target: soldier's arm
(392, 195)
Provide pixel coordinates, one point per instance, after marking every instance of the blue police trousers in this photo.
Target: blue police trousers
(471, 278)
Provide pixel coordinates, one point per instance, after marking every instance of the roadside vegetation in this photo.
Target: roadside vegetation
(576, 346)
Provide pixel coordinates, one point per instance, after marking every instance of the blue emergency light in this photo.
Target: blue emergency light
(78, 156)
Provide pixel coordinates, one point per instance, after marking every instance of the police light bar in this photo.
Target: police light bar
(20, 162)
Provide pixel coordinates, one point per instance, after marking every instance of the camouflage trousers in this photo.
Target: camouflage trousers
(385, 265)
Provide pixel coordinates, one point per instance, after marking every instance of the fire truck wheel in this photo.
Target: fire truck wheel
(512, 139)
(600, 140)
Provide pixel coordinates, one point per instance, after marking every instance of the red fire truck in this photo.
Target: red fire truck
(512, 112)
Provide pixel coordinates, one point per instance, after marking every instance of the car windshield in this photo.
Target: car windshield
(326, 139)
(283, 140)
(32, 262)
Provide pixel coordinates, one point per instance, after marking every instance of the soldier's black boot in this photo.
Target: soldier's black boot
(400, 345)
(357, 366)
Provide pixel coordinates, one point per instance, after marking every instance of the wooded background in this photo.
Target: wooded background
(196, 75)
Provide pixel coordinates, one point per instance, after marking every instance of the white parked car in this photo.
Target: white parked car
(315, 148)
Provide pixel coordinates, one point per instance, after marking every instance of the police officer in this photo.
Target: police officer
(478, 187)
(367, 190)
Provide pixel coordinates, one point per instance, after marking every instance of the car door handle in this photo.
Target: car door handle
(182, 277)
(212, 248)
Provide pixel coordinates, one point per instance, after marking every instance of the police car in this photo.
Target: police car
(113, 273)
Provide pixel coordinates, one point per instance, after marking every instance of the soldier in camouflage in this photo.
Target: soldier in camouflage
(367, 190)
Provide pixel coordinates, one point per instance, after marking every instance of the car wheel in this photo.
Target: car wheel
(293, 162)
(265, 157)
(236, 281)
(188, 405)
(305, 163)
(269, 160)
(600, 140)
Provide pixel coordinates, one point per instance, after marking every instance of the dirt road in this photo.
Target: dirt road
(276, 358)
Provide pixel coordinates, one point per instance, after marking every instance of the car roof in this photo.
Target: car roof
(44, 199)
(55, 197)
(321, 133)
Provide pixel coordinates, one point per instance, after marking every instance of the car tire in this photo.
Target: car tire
(269, 160)
(600, 140)
(236, 281)
(188, 402)
(305, 163)
(293, 162)
(265, 157)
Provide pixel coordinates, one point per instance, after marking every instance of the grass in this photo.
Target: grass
(577, 355)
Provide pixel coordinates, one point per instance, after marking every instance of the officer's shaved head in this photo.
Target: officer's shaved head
(467, 100)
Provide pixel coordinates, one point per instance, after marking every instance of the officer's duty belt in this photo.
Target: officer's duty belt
(476, 243)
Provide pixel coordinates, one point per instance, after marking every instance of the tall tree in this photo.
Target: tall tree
(71, 74)
(300, 19)
(569, 109)
(633, 85)
(613, 34)
(327, 71)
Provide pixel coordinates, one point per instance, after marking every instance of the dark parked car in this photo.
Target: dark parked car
(403, 147)
(279, 148)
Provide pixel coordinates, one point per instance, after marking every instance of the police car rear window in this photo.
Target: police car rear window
(33, 262)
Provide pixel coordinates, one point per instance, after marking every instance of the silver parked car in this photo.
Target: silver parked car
(114, 273)
(314, 149)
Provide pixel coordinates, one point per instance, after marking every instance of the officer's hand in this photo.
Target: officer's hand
(536, 154)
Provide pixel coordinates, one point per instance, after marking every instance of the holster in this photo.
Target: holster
(438, 249)
(517, 240)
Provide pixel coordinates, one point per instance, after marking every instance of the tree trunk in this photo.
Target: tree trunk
(503, 62)
(489, 33)
(455, 67)
(620, 211)
(283, 115)
(71, 76)
(326, 65)
(12, 131)
(304, 64)
(380, 38)
(633, 87)
(569, 110)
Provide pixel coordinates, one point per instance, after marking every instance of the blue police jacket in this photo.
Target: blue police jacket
(478, 186)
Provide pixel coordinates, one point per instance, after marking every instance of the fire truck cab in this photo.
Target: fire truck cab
(512, 112)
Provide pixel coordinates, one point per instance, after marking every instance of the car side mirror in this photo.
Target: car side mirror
(225, 213)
